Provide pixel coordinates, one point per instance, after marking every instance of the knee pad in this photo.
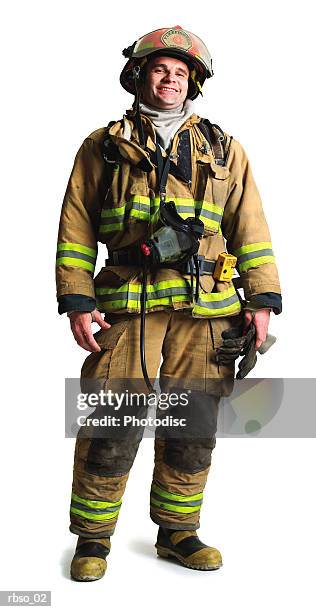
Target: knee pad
(189, 455)
(108, 457)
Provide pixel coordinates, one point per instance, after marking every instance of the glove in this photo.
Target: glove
(250, 355)
(236, 345)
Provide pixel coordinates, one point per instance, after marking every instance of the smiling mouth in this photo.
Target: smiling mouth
(169, 89)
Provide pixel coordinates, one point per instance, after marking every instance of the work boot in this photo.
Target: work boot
(89, 561)
(188, 549)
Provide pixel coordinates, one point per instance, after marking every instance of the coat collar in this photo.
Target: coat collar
(124, 134)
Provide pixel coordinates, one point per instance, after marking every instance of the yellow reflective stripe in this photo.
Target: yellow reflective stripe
(153, 204)
(166, 301)
(113, 305)
(113, 212)
(220, 296)
(209, 223)
(112, 227)
(150, 288)
(94, 517)
(183, 201)
(214, 303)
(114, 290)
(210, 206)
(78, 263)
(164, 493)
(166, 284)
(141, 199)
(255, 262)
(219, 312)
(139, 214)
(255, 246)
(171, 291)
(92, 503)
(173, 508)
(73, 246)
(119, 210)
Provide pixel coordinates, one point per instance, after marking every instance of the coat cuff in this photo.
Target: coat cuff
(266, 300)
(79, 303)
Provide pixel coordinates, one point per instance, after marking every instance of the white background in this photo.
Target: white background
(60, 81)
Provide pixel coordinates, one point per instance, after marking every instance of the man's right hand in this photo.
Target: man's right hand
(80, 323)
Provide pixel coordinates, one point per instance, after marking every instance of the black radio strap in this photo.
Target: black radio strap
(163, 168)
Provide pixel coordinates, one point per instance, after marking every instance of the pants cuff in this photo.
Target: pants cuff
(173, 525)
(84, 534)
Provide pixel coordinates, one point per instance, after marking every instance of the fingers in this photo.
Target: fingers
(80, 323)
(247, 320)
(86, 340)
(261, 322)
(84, 337)
(97, 318)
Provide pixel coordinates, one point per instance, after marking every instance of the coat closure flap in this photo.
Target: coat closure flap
(129, 149)
(220, 172)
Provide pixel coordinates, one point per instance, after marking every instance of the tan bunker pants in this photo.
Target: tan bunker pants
(102, 463)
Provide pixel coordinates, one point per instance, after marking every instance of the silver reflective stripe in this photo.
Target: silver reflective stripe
(254, 254)
(166, 500)
(218, 303)
(113, 218)
(185, 209)
(132, 295)
(76, 255)
(211, 215)
(75, 504)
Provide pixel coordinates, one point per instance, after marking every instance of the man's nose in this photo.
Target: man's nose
(169, 77)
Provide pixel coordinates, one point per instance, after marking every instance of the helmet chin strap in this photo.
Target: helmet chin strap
(137, 84)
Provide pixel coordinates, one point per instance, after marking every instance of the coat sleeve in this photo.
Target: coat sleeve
(246, 231)
(78, 227)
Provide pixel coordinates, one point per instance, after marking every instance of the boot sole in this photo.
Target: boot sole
(167, 553)
(86, 578)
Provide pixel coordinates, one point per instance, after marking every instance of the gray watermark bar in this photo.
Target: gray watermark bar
(25, 598)
(253, 407)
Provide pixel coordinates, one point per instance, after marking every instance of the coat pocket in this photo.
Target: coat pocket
(219, 176)
(112, 287)
(212, 189)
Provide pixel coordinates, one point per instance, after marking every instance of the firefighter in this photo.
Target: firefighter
(174, 200)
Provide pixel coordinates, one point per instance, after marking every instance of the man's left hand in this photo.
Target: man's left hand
(260, 319)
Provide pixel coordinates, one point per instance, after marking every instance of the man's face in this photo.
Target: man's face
(166, 82)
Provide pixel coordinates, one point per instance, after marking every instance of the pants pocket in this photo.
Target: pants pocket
(96, 367)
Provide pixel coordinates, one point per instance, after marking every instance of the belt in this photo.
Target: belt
(134, 257)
